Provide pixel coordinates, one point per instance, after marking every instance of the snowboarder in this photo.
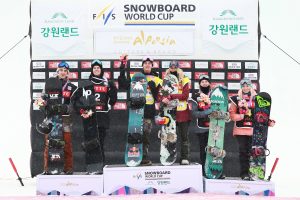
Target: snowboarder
(183, 115)
(154, 83)
(67, 90)
(241, 110)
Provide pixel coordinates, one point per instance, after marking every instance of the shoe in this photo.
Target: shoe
(46, 173)
(69, 172)
(184, 162)
(146, 162)
(246, 178)
(98, 172)
(222, 176)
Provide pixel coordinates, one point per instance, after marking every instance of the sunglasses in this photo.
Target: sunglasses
(245, 81)
(202, 76)
(63, 65)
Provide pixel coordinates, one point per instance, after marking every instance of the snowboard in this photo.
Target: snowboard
(214, 150)
(85, 103)
(259, 150)
(136, 103)
(167, 118)
(53, 92)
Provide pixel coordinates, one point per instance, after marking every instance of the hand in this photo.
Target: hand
(123, 60)
(40, 102)
(272, 123)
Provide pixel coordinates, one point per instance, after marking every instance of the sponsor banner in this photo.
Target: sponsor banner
(233, 86)
(116, 75)
(38, 65)
(38, 75)
(216, 83)
(143, 41)
(116, 64)
(201, 65)
(38, 85)
(251, 65)
(72, 64)
(251, 76)
(60, 31)
(185, 64)
(230, 31)
(122, 95)
(188, 74)
(196, 85)
(198, 74)
(218, 75)
(234, 75)
(52, 74)
(53, 64)
(217, 65)
(85, 64)
(73, 75)
(107, 75)
(234, 65)
(194, 29)
(36, 95)
(85, 75)
(106, 64)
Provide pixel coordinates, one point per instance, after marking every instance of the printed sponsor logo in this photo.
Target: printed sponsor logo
(135, 64)
(107, 75)
(116, 75)
(38, 75)
(66, 94)
(106, 64)
(217, 65)
(218, 75)
(201, 65)
(122, 95)
(198, 74)
(53, 64)
(158, 175)
(251, 76)
(234, 65)
(233, 86)
(106, 14)
(196, 85)
(214, 84)
(234, 75)
(116, 64)
(85, 64)
(36, 95)
(52, 74)
(38, 65)
(185, 64)
(188, 74)
(251, 65)
(85, 75)
(73, 64)
(73, 75)
(100, 89)
(120, 106)
(38, 85)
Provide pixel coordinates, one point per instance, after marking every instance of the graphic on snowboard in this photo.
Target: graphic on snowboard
(214, 150)
(259, 150)
(52, 125)
(136, 103)
(85, 104)
(167, 118)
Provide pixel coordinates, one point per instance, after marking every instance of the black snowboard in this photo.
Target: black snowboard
(54, 110)
(85, 102)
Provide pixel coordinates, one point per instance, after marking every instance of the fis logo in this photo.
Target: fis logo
(105, 14)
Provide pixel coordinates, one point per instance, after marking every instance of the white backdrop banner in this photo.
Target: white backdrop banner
(189, 29)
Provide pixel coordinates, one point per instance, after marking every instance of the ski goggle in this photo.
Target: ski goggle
(96, 62)
(203, 76)
(245, 81)
(63, 64)
(147, 58)
(173, 64)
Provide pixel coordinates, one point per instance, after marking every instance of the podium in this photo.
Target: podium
(69, 185)
(239, 187)
(123, 180)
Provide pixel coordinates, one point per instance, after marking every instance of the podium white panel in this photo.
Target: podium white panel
(239, 187)
(120, 179)
(69, 185)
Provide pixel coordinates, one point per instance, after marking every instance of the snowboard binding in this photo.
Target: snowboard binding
(220, 115)
(259, 151)
(216, 152)
(45, 127)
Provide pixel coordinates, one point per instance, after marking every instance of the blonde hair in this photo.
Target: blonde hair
(179, 73)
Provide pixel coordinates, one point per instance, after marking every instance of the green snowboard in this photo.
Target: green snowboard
(214, 150)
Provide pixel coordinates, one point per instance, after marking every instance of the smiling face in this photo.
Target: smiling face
(204, 83)
(147, 66)
(246, 88)
(97, 70)
(62, 73)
